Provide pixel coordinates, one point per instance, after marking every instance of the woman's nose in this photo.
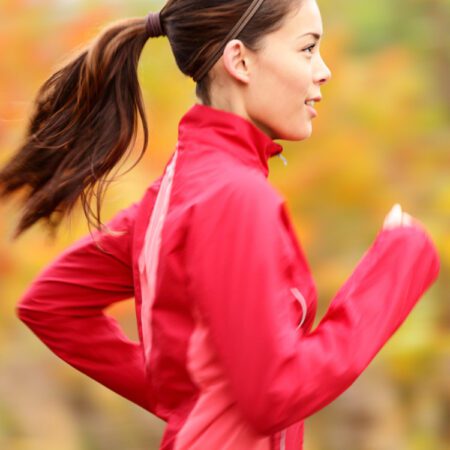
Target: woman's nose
(324, 73)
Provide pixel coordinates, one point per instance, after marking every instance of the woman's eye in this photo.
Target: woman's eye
(310, 47)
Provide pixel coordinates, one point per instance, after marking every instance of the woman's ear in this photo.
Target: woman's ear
(236, 60)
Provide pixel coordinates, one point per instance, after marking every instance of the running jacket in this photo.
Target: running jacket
(225, 299)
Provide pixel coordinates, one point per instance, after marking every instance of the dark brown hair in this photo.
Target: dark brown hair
(86, 115)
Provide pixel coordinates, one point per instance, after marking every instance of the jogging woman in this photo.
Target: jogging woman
(224, 296)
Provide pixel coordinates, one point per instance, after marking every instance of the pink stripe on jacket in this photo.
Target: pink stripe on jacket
(225, 299)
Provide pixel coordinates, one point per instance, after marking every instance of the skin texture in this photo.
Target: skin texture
(269, 87)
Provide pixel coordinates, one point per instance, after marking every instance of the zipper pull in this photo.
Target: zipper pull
(283, 159)
(298, 295)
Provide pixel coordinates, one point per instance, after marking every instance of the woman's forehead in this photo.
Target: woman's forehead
(303, 21)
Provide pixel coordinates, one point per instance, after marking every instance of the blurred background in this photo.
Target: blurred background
(382, 136)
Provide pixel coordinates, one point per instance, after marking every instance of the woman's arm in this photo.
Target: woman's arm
(278, 374)
(64, 307)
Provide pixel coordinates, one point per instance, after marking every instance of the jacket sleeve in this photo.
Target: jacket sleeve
(64, 306)
(277, 373)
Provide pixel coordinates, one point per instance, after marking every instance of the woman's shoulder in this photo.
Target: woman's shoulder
(245, 192)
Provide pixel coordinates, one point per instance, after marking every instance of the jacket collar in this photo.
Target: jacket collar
(227, 132)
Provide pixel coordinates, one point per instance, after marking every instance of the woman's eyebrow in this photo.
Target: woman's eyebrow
(317, 36)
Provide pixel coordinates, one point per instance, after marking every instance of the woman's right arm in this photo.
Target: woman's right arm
(64, 307)
(278, 374)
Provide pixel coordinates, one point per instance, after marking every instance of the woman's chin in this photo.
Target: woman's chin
(304, 131)
(294, 130)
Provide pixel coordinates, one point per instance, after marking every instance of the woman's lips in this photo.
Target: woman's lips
(311, 110)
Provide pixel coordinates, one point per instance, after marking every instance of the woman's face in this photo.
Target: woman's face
(286, 72)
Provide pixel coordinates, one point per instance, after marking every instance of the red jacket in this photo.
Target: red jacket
(225, 300)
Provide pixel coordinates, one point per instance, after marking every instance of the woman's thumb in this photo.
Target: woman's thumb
(394, 217)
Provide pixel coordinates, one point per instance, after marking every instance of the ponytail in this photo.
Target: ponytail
(85, 119)
(86, 115)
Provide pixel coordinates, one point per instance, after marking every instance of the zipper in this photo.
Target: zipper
(298, 295)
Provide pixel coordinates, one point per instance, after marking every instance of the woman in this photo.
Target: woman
(225, 300)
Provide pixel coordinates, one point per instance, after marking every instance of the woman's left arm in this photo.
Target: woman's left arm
(238, 271)
(64, 307)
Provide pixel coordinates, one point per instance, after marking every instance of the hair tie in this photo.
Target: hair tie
(153, 25)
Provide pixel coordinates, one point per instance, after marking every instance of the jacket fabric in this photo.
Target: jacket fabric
(225, 299)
